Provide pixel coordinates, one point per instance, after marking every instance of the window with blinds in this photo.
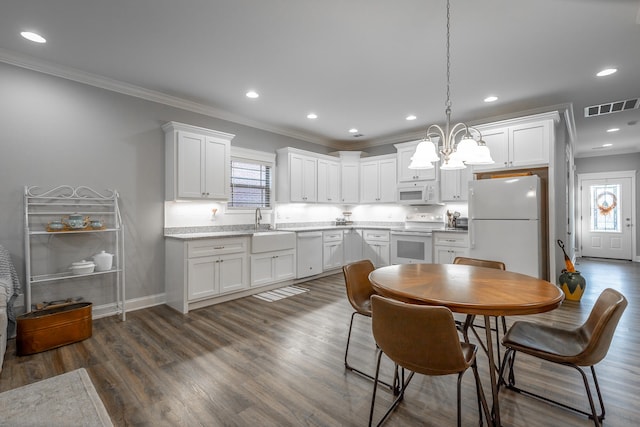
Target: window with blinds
(250, 185)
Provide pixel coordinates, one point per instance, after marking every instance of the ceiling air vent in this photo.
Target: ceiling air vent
(611, 107)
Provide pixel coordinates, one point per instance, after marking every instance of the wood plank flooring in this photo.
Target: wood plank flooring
(256, 363)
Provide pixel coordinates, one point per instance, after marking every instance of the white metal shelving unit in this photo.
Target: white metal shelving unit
(42, 206)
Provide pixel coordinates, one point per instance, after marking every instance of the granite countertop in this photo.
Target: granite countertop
(243, 233)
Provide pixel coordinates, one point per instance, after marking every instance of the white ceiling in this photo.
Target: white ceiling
(356, 63)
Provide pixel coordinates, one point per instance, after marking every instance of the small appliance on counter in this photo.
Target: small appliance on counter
(345, 220)
(461, 223)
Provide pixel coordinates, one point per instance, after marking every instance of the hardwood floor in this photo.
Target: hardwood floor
(253, 363)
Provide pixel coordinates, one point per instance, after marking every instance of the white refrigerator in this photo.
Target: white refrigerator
(505, 223)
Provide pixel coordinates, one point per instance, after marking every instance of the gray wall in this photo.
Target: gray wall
(620, 162)
(59, 132)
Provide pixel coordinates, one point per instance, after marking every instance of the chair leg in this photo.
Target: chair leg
(483, 406)
(597, 419)
(459, 398)
(357, 371)
(396, 401)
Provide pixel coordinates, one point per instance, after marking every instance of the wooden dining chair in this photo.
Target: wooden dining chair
(583, 346)
(469, 322)
(422, 339)
(359, 292)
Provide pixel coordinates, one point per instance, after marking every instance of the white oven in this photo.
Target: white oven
(411, 247)
(413, 243)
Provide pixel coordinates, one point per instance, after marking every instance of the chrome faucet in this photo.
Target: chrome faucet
(258, 218)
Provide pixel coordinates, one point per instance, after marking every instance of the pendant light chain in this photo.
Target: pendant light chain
(448, 104)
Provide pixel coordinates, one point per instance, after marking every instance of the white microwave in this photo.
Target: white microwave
(420, 194)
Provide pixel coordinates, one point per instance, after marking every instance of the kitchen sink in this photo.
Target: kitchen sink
(267, 241)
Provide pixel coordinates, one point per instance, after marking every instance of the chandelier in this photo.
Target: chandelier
(470, 150)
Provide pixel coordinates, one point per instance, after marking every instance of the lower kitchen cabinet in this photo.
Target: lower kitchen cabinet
(376, 247)
(448, 245)
(333, 253)
(352, 243)
(200, 269)
(272, 267)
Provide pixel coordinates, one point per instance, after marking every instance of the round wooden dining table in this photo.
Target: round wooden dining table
(470, 290)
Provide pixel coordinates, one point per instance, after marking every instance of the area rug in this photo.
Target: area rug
(281, 293)
(69, 399)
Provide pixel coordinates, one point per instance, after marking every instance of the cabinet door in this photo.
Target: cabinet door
(529, 144)
(201, 277)
(377, 252)
(369, 182)
(352, 241)
(284, 266)
(190, 165)
(262, 269)
(333, 255)
(454, 184)
(217, 169)
(497, 141)
(328, 178)
(302, 178)
(350, 182)
(409, 175)
(387, 180)
(232, 273)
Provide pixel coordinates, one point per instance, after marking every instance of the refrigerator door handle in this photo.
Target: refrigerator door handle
(472, 239)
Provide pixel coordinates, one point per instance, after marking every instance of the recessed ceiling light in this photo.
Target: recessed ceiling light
(411, 117)
(312, 116)
(491, 98)
(36, 38)
(252, 94)
(607, 72)
(353, 130)
(613, 130)
(607, 145)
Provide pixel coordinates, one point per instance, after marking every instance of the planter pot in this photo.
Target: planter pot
(572, 284)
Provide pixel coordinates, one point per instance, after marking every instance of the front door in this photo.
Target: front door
(606, 215)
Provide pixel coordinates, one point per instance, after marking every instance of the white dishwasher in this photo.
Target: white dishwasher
(309, 253)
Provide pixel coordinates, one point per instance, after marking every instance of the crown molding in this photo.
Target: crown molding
(68, 73)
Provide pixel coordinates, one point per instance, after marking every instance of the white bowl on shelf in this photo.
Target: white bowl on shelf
(82, 267)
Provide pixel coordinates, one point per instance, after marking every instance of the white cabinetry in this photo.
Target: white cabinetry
(352, 241)
(448, 245)
(350, 176)
(54, 240)
(273, 267)
(333, 253)
(378, 179)
(297, 176)
(521, 142)
(376, 247)
(197, 162)
(405, 152)
(454, 184)
(200, 269)
(328, 181)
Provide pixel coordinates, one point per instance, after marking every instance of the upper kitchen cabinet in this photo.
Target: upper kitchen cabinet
(297, 176)
(404, 153)
(378, 179)
(522, 142)
(328, 181)
(454, 184)
(350, 176)
(197, 162)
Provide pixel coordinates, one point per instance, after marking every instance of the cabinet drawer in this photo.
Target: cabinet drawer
(376, 235)
(211, 247)
(451, 239)
(332, 236)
